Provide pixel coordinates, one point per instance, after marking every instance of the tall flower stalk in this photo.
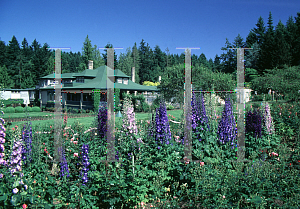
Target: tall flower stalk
(203, 116)
(15, 162)
(227, 126)
(102, 119)
(27, 147)
(253, 123)
(85, 163)
(163, 132)
(2, 141)
(129, 121)
(268, 121)
(64, 168)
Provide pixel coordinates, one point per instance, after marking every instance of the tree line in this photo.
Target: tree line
(21, 66)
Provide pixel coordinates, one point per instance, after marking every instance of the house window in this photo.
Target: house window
(80, 79)
(125, 81)
(119, 80)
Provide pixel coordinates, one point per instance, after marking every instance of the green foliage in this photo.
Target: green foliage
(9, 102)
(9, 110)
(36, 109)
(285, 81)
(28, 109)
(19, 109)
(149, 83)
(96, 100)
(117, 100)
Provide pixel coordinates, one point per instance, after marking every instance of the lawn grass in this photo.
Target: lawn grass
(88, 121)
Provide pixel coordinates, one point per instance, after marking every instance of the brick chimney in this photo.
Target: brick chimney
(90, 64)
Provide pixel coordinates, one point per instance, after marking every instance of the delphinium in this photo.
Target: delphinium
(85, 163)
(102, 119)
(163, 132)
(253, 123)
(203, 116)
(2, 141)
(129, 123)
(15, 161)
(227, 126)
(195, 115)
(268, 121)
(27, 146)
(64, 168)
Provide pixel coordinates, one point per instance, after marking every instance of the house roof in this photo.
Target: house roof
(28, 89)
(96, 79)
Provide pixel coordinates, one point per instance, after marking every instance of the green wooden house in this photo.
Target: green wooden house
(77, 88)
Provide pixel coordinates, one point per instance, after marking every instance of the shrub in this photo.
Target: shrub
(9, 110)
(36, 109)
(28, 109)
(170, 107)
(19, 109)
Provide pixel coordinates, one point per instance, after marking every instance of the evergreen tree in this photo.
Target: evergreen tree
(159, 58)
(3, 54)
(194, 59)
(125, 62)
(291, 37)
(217, 64)
(267, 56)
(202, 60)
(13, 52)
(136, 62)
(87, 53)
(105, 55)
(252, 56)
(296, 54)
(282, 48)
(228, 61)
(97, 58)
(145, 73)
(5, 79)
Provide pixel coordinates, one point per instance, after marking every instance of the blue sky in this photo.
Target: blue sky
(168, 23)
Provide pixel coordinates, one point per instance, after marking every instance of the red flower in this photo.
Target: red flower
(45, 150)
(24, 206)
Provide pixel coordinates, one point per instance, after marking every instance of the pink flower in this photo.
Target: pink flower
(76, 154)
(24, 206)
(202, 163)
(223, 196)
(175, 197)
(273, 153)
(13, 129)
(142, 203)
(280, 113)
(75, 142)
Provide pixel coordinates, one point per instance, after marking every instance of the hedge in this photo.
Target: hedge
(9, 110)
(19, 109)
(36, 109)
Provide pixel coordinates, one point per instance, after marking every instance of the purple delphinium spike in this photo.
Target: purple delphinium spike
(2, 141)
(64, 169)
(203, 116)
(16, 156)
(227, 126)
(85, 163)
(253, 123)
(27, 146)
(102, 118)
(268, 120)
(163, 132)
